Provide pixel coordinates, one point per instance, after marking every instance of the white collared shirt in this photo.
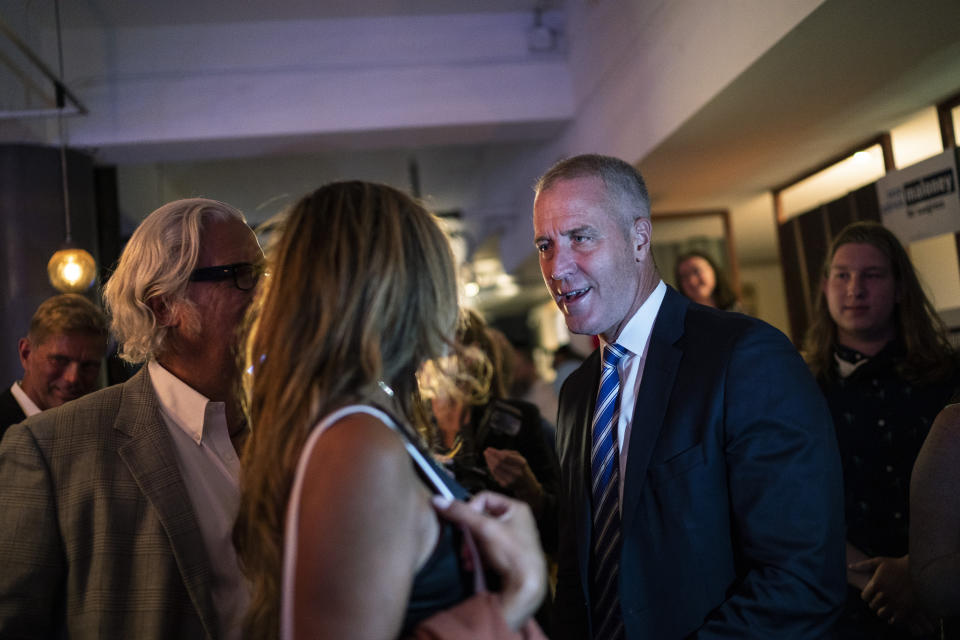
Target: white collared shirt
(635, 336)
(28, 406)
(211, 472)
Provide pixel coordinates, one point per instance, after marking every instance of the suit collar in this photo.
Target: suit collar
(10, 411)
(587, 380)
(151, 459)
(636, 333)
(27, 405)
(653, 396)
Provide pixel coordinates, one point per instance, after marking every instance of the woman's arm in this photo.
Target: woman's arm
(935, 516)
(365, 526)
(506, 536)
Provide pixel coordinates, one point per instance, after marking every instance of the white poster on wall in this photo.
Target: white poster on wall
(921, 201)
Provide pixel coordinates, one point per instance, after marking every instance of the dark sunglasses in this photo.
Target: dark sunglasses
(244, 274)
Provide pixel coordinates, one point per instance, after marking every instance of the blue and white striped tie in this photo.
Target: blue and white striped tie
(605, 470)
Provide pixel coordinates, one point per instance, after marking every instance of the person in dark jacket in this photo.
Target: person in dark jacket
(881, 357)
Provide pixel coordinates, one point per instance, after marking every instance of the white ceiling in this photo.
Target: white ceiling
(850, 70)
(145, 13)
(847, 72)
(853, 69)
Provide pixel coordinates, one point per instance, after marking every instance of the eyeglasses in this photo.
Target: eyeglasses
(244, 274)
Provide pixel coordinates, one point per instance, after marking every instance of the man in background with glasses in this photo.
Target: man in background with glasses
(118, 507)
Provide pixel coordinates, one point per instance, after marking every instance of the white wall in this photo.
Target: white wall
(640, 69)
(767, 283)
(935, 260)
(451, 178)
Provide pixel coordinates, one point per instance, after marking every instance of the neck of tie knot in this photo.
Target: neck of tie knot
(612, 354)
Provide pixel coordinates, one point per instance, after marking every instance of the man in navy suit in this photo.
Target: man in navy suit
(719, 512)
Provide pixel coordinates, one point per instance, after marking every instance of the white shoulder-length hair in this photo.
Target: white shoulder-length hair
(156, 263)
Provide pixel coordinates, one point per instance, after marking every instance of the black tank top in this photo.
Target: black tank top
(442, 581)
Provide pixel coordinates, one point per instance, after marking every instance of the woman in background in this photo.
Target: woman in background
(699, 278)
(336, 529)
(487, 440)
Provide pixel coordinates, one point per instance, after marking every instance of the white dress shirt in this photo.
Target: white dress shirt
(635, 336)
(28, 406)
(211, 472)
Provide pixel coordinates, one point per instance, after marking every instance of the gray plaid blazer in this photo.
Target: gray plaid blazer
(98, 537)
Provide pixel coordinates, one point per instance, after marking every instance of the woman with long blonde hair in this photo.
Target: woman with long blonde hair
(337, 529)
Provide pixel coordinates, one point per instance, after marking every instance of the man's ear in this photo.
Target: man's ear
(642, 233)
(24, 348)
(163, 312)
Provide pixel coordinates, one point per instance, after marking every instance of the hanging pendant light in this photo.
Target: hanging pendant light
(71, 269)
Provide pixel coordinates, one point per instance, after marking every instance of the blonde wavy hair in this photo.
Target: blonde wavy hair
(473, 372)
(156, 263)
(362, 289)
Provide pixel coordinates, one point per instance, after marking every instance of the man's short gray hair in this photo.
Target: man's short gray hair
(156, 263)
(625, 187)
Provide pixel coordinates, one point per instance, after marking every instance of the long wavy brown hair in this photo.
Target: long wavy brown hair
(929, 356)
(361, 289)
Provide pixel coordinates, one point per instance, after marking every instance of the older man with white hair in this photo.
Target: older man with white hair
(118, 507)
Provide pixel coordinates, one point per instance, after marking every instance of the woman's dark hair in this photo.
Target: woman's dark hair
(723, 295)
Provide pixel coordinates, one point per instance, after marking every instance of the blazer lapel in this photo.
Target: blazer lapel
(151, 459)
(663, 360)
(581, 486)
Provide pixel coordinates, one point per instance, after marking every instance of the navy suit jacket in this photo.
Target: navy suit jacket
(732, 514)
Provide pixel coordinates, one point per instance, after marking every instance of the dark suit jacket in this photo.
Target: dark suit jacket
(98, 536)
(732, 516)
(10, 411)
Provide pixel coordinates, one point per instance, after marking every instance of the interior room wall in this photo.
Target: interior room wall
(935, 260)
(463, 178)
(623, 53)
(762, 287)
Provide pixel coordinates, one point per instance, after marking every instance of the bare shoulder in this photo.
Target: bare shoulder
(358, 432)
(945, 431)
(359, 454)
(949, 418)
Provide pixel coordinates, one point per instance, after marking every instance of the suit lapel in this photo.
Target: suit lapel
(10, 411)
(152, 461)
(663, 361)
(582, 494)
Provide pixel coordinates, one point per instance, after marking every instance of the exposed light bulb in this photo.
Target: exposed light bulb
(72, 270)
